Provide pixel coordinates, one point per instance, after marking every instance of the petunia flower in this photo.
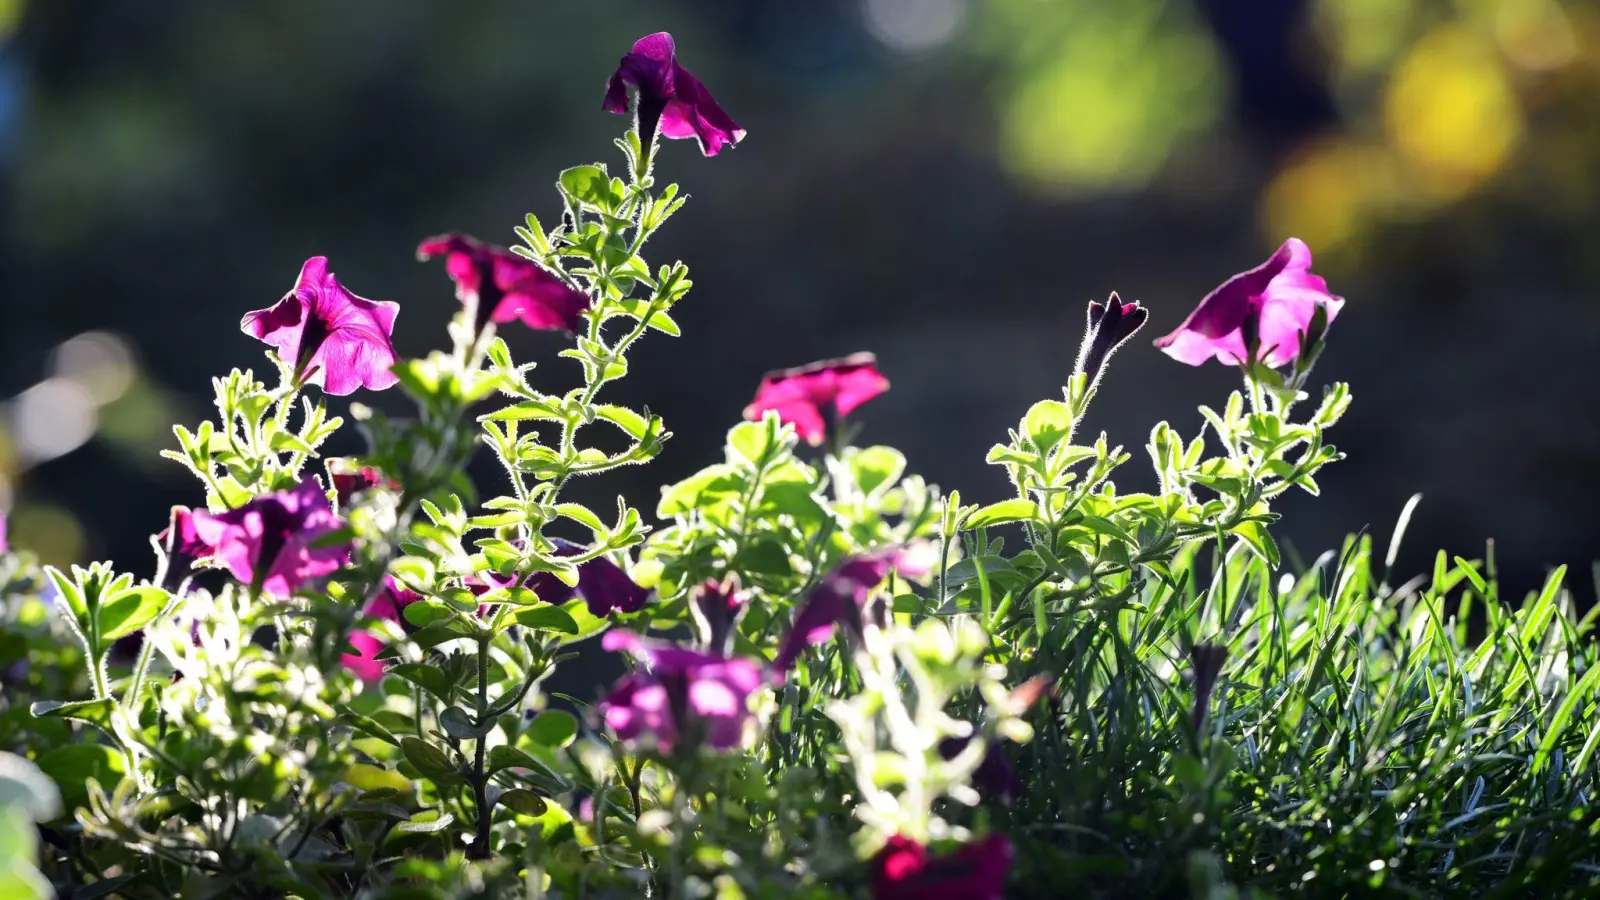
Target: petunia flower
(717, 607)
(995, 776)
(601, 583)
(815, 397)
(1264, 313)
(390, 603)
(4, 547)
(841, 597)
(181, 547)
(903, 870)
(272, 542)
(349, 479)
(668, 98)
(683, 696)
(330, 336)
(1110, 325)
(1206, 660)
(506, 286)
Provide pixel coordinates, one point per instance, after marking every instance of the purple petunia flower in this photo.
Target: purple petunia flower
(903, 870)
(841, 598)
(1110, 325)
(271, 542)
(684, 696)
(330, 336)
(716, 608)
(349, 479)
(815, 397)
(4, 547)
(601, 583)
(995, 776)
(668, 98)
(390, 603)
(506, 286)
(1264, 313)
(182, 546)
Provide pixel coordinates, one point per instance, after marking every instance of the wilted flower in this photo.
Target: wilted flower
(601, 583)
(390, 603)
(666, 94)
(506, 286)
(683, 696)
(1110, 324)
(272, 541)
(841, 598)
(903, 870)
(1264, 313)
(330, 336)
(350, 479)
(815, 397)
(716, 608)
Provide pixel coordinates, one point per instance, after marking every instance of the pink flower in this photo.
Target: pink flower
(814, 398)
(349, 479)
(507, 286)
(182, 546)
(684, 696)
(1264, 312)
(902, 870)
(841, 597)
(666, 93)
(332, 337)
(271, 542)
(4, 547)
(390, 603)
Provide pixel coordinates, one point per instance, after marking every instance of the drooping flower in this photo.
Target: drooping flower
(350, 479)
(841, 597)
(1110, 325)
(681, 696)
(903, 870)
(330, 336)
(601, 583)
(506, 286)
(813, 398)
(272, 542)
(1265, 311)
(390, 603)
(181, 547)
(1206, 661)
(668, 98)
(716, 608)
(995, 776)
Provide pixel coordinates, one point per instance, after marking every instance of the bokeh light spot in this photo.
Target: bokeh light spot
(52, 418)
(99, 361)
(914, 25)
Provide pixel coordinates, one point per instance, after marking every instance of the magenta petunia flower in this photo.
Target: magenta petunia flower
(349, 479)
(841, 597)
(666, 94)
(815, 397)
(716, 608)
(506, 286)
(390, 603)
(1110, 325)
(1265, 311)
(683, 696)
(601, 583)
(272, 541)
(903, 870)
(182, 546)
(333, 338)
(4, 547)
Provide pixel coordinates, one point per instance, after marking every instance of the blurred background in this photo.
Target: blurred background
(945, 182)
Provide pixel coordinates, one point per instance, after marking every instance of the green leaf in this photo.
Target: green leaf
(764, 556)
(701, 489)
(1013, 510)
(584, 516)
(527, 409)
(524, 802)
(546, 618)
(506, 757)
(426, 612)
(1047, 423)
(432, 762)
(94, 712)
(1256, 535)
(456, 723)
(553, 728)
(429, 678)
(72, 766)
(588, 623)
(131, 610)
(587, 185)
(370, 727)
(426, 822)
(750, 440)
(877, 467)
(635, 425)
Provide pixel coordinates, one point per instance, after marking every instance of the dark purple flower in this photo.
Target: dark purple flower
(1207, 661)
(813, 398)
(350, 479)
(716, 607)
(995, 776)
(390, 603)
(1110, 325)
(841, 598)
(903, 870)
(272, 541)
(507, 286)
(682, 696)
(1264, 312)
(181, 546)
(330, 336)
(601, 583)
(666, 93)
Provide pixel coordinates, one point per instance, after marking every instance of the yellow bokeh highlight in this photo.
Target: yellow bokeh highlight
(1328, 193)
(1450, 112)
(1364, 36)
(1535, 34)
(49, 531)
